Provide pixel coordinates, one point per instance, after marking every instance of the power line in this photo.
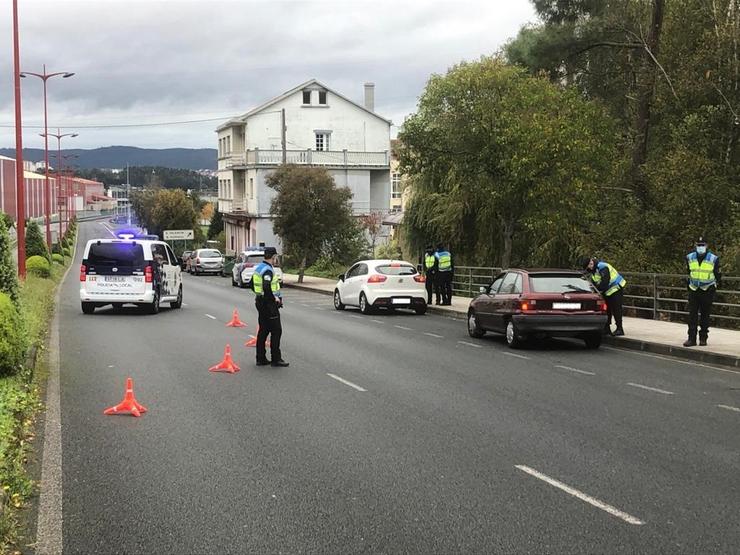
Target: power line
(122, 125)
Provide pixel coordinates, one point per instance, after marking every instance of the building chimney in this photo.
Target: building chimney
(370, 96)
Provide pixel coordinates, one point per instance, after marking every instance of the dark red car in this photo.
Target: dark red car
(539, 303)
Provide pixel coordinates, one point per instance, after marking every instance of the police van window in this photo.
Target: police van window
(116, 254)
(159, 254)
(496, 285)
(507, 287)
(171, 255)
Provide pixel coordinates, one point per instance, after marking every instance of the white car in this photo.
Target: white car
(129, 271)
(390, 284)
(244, 265)
(206, 260)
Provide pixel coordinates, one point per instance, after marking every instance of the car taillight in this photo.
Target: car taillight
(527, 304)
(83, 273)
(375, 278)
(148, 274)
(602, 306)
(419, 279)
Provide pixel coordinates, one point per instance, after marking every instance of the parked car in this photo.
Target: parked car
(206, 261)
(539, 303)
(184, 260)
(241, 274)
(129, 271)
(189, 262)
(391, 284)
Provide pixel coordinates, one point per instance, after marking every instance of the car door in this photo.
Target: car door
(502, 303)
(484, 304)
(350, 289)
(174, 275)
(161, 265)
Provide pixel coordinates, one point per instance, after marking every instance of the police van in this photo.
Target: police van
(129, 270)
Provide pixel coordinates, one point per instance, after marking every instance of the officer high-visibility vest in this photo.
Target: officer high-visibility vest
(445, 261)
(429, 261)
(701, 276)
(258, 279)
(616, 281)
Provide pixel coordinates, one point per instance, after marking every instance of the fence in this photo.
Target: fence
(653, 296)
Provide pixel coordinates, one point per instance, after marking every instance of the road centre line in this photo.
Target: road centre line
(469, 344)
(345, 382)
(403, 327)
(434, 335)
(728, 407)
(378, 321)
(655, 389)
(671, 359)
(514, 355)
(211, 317)
(575, 370)
(582, 496)
(356, 317)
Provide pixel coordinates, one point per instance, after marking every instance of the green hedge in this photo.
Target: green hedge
(58, 258)
(39, 266)
(12, 337)
(67, 253)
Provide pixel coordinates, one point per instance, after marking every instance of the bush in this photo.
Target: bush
(8, 274)
(39, 266)
(35, 244)
(5, 220)
(58, 258)
(67, 253)
(12, 337)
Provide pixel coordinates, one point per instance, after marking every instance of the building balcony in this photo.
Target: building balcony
(329, 158)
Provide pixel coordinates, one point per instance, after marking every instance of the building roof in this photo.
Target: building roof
(311, 82)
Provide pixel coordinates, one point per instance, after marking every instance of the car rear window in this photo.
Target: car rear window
(116, 254)
(255, 258)
(206, 253)
(554, 283)
(396, 270)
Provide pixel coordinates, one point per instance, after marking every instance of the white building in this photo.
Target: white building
(322, 128)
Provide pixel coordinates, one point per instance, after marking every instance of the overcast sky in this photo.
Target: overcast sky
(145, 61)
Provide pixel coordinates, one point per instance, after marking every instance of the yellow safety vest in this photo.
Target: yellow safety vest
(616, 281)
(258, 280)
(701, 276)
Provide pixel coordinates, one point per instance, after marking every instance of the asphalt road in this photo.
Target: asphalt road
(387, 434)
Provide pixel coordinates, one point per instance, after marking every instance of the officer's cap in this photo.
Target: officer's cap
(701, 241)
(270, 252)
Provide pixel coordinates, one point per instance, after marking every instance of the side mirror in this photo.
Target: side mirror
(341, 277)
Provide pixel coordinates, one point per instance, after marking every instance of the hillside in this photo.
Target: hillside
(118, 156)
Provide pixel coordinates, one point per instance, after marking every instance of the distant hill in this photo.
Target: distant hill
(113, 157)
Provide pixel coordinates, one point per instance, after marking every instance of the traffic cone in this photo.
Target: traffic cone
(129, 405)
(235, 322)
(252, 341)
(227, 364)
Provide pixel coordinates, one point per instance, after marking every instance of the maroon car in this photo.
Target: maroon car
(539, 303)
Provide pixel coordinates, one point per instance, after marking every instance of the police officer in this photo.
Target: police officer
(430, 271)
(704, 276)
(268, 302)
(610, 284)
(445, 270)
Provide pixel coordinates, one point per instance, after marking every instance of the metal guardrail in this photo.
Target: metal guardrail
(652, 296)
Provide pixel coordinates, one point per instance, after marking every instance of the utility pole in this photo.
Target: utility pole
(283, 140)
(128, 196)
(19, 184)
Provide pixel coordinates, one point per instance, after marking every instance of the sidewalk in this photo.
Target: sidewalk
(652, 336)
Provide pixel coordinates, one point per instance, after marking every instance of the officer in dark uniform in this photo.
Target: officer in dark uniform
(430, 271)
(704, 277)
(268, 302)
(445, 269)
(610, 284)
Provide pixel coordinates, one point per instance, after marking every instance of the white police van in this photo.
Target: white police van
(129, 271)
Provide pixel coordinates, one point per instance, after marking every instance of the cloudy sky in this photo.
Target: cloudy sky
(145, 61)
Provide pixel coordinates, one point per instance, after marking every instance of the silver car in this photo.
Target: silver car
(206, 261)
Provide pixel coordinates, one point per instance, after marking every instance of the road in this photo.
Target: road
(387, 434)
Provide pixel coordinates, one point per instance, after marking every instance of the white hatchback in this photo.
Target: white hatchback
(390, 284)
(129, 271)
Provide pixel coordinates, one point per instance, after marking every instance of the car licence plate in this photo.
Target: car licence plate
(401, 301)
(566, 306)
(115, 278)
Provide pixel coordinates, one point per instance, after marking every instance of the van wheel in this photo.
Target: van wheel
(513, 339)
(178, 302)
(88, 308)
(338, 300)
(154, 307)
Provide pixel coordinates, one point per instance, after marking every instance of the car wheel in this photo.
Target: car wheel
(592, 340)
(178, 302)
(364, 305)
(154, 307)
(474, 330)
(88, 308)
(513, 339)
(421, 310)
(338, 300)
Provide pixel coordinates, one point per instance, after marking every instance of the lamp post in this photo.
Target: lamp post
(58, 135)
(45, 77)
(19, 184)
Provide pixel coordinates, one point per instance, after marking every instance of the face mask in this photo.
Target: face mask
(701, 249)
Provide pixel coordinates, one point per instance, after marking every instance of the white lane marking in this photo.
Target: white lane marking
(356, 317)
(655, 389)
(403, 327)
(211, 317)
(574, 370)
(469, 344)
(378, 321)
(728, 407)
(317, 308)
(434, 335)
(305, 305)
(672, 359)
(109, 229)
(185, 304)
(582, 496)
(345, 382)
(514, 355)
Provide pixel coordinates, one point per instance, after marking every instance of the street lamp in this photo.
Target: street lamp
(45, 77)
(58, 135)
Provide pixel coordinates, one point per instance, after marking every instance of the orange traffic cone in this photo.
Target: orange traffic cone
(227, 364)
(252, 341)
(235, 322)
(129, 405)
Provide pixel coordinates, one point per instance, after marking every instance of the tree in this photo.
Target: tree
(373, 225)
(35, 244)
(309, 211)
(8, 274)
(174, 210)
(217, 223)
(5, 220)
(504, 166)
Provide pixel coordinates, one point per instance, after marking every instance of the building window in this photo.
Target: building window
(322, 141)
(396, 189)
(307, 97)
(322, 97)
(228, 145)
(251, 188)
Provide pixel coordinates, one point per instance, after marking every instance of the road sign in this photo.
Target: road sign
(178, 234)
